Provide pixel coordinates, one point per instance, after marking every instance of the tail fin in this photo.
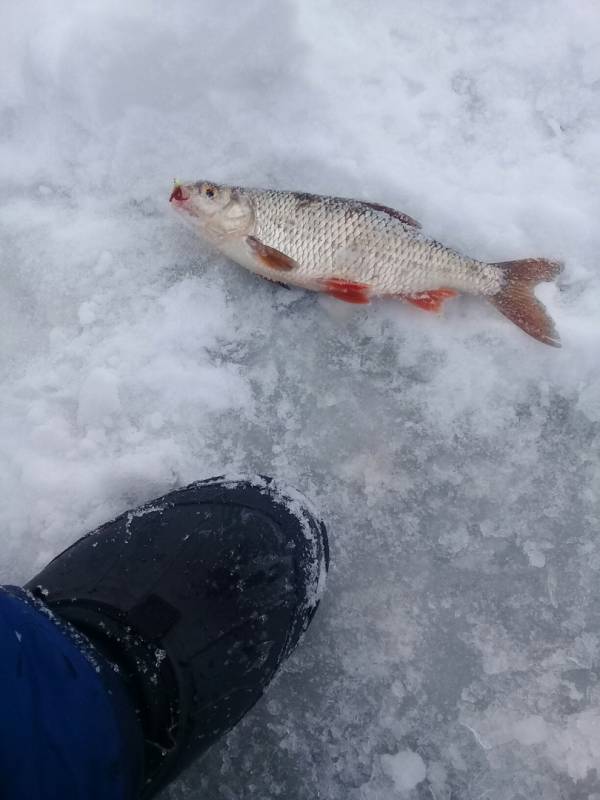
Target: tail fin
(517, 301)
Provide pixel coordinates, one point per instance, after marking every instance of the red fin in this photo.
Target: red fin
(269, 257)
(428, 301)
(345, 290)
(531, 270)
(517, 301)
(393, 213)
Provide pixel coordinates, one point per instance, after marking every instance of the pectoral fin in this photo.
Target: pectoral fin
(269, 256)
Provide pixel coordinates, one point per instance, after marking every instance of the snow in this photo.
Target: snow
(454, 460)
(406, 769)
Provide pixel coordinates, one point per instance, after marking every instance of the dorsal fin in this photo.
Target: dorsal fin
(392, 213)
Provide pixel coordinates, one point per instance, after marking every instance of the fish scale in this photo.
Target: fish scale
(334, 237)
(356, 251)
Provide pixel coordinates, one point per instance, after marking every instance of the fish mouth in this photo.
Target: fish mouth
(178, 195)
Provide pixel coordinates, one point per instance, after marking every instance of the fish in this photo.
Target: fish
(357, 251)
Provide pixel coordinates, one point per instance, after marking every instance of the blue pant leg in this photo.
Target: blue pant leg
(67, 726)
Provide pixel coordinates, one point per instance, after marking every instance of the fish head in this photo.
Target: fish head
(219, 211)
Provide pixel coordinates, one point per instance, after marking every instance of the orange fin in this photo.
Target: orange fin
(428, 301)
(517, 301)
(392, 213)
(345, 290)
(269, 257)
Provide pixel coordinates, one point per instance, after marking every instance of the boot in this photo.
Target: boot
(197, 597)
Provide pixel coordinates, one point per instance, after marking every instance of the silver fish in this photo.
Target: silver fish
(356, 251)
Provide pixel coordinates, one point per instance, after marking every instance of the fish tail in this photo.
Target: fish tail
(517, 301)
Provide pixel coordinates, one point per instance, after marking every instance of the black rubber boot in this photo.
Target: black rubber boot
(198, 596)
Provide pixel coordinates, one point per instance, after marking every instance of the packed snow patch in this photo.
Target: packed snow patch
(405, 768)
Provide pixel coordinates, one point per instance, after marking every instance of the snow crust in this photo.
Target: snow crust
(455, 461)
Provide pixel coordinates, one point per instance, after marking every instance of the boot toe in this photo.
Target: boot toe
(210, 587)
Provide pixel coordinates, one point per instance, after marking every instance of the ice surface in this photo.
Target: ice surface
(455, 460)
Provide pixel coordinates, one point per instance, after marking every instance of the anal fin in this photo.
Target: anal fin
(431, 300)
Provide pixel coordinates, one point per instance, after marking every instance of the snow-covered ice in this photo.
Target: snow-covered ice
(455, 460)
